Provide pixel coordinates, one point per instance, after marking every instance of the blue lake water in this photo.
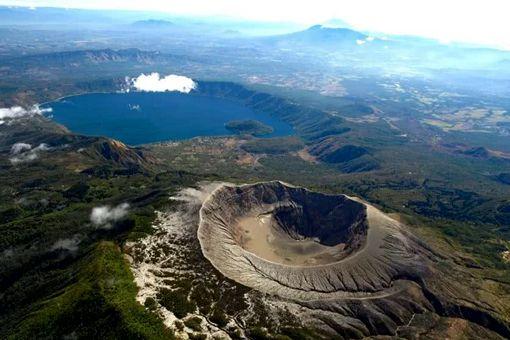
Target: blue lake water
(138, 118)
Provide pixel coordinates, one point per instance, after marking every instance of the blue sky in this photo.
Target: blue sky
(473, 21)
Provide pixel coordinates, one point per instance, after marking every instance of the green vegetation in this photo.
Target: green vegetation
(194, 323)
(273, 146)
(59, 274)
(344, 154)
(179, 325)
(249, 127)
(218, 317)
(197, 336)
(100, 304)
(150, 304)
(176, 301)
(258, 333)
(456, 201)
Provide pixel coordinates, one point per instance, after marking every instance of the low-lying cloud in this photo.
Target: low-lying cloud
(364, 41)
(18, 148)
(154, 83)
(68, 244)
(18, 111)
(104, 216)
(23, 152)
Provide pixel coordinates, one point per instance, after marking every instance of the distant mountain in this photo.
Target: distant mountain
(319, 35)
(14, 15)
(411, 53)
(76, 58)
(153, 24)
(46, 15)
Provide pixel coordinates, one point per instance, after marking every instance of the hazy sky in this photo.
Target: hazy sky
(476, 21)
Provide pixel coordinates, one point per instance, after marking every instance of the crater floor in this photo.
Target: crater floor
(261, 236)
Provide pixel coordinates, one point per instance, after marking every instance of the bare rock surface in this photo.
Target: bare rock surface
(374, 261)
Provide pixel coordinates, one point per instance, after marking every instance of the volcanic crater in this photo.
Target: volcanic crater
(301, 244)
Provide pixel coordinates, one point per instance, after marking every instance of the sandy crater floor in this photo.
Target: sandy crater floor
(261, 236)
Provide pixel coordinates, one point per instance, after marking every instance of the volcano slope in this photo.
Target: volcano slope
(331, 253)
(274, 260)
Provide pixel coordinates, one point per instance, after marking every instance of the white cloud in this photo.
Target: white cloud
(18, 148)
(42, 147)
(366, 40)
(103, 216)
(18, 111)
(24, 158)
(154, 83)
(69, 244)
(23, 153)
